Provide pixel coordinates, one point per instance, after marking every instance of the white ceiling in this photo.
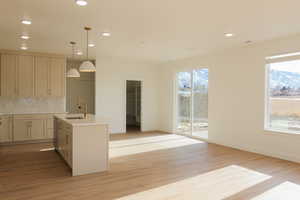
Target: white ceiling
(152, 30)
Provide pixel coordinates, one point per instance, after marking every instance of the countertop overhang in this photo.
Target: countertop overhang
(90, 120)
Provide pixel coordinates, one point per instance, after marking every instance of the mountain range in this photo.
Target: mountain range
(277, 79)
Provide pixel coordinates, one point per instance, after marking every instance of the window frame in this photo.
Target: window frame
(267, 106)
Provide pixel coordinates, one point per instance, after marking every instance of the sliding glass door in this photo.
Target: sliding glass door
(192, 103)
(200, 103)
(184, 96)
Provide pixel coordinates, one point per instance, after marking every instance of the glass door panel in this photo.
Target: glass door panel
(200, 103)
(184, 95)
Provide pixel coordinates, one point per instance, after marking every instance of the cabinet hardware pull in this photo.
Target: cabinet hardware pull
(27, 132)
(30, 131)
(67, 139)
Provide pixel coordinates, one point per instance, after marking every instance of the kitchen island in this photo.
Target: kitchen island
(82, 143)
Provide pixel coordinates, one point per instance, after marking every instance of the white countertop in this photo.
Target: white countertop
(31, 113)
(90, 120)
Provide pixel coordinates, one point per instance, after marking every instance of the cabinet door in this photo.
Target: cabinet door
(8, 75)
(42, 76)
(49, 133)
(22, 130)
(37, 129)
(62, 143)
(57, 77)
(5, 130)
(25, 76)
(60, 137)
(69, 155)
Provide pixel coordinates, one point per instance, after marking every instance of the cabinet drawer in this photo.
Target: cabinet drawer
(5, 130)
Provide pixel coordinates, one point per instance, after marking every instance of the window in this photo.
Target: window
(283, 95)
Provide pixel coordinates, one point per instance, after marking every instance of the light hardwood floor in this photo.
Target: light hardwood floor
(149, 167)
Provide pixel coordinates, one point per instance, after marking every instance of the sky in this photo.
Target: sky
(289, 66)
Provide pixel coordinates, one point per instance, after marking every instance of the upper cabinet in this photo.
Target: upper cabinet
(41, 76)
(32, 75)
(50, 76)
(8, 75)
(57, 77)
(25, 76)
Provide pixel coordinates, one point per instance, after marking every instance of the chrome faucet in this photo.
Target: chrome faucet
(85, 109)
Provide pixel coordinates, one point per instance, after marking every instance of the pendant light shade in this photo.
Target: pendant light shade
(87, 66)
(73, 72)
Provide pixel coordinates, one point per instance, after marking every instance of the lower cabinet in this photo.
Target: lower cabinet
(36, 129)
(49, 133)
(49, 128)
(64, 141)
(25, 129)
(22, 130)
(28, 127)
(6, 129)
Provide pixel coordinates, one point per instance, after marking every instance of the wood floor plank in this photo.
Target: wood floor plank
(147, 166)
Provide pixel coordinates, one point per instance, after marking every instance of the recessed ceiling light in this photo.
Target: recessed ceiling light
(25, 37)
(229, 34)
(106, 34)
(92, 45)
(26, 21)
(23, 47)
(81, 2)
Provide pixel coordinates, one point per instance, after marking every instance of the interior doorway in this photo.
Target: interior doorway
(133, 105)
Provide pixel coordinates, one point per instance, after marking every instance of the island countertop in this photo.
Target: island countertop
(90, 120)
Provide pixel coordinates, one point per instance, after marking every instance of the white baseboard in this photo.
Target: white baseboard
(295, 158)
(260, 151)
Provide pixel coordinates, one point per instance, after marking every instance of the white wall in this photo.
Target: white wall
(111, 77)
(236, 98)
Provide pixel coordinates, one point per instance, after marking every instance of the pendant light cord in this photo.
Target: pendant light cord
(72, 51)
(87, 44)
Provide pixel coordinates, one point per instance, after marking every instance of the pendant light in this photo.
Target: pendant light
(87, 66)
(73, 72)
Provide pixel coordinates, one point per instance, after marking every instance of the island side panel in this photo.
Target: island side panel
(90, 149)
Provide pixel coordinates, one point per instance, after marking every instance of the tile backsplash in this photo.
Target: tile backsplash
(32, 105)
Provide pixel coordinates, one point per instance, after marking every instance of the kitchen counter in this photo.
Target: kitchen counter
(33, 113)
(90, 120)
(82, 143)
